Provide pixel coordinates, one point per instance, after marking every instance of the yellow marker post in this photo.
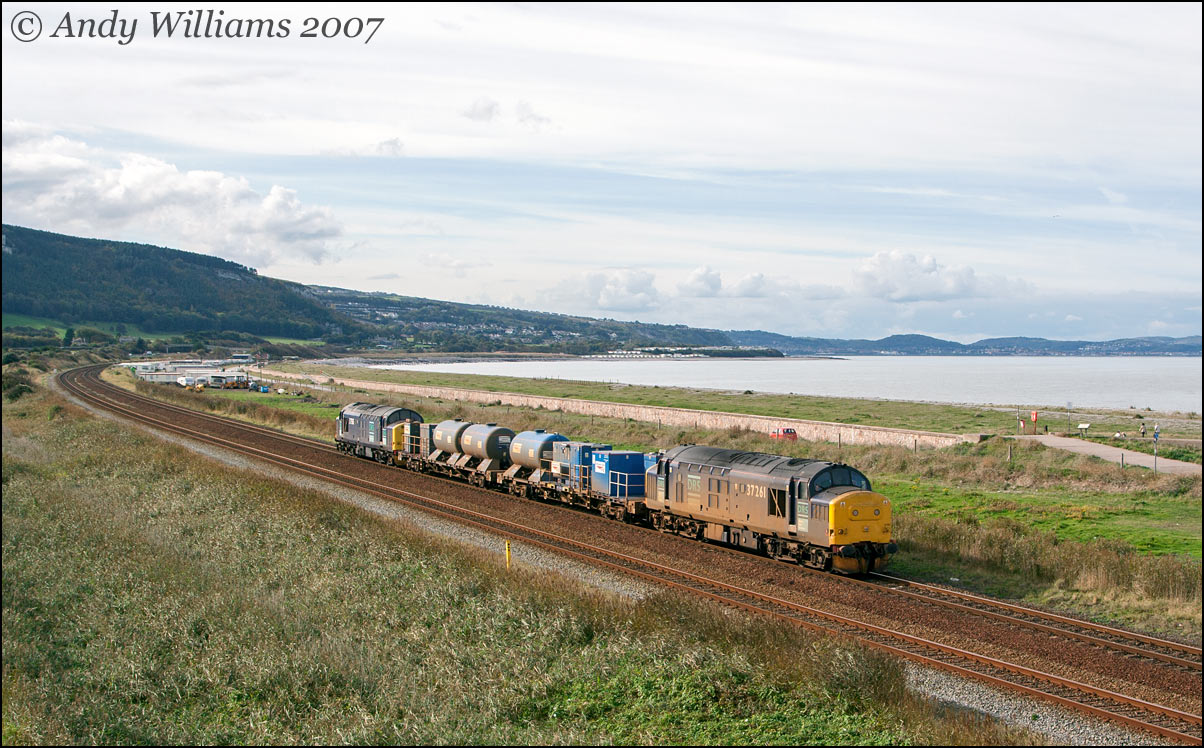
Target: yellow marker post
(507, 555)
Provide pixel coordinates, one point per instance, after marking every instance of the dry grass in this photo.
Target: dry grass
(1101, 567)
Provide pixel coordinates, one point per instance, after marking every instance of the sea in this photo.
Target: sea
(1160, 383)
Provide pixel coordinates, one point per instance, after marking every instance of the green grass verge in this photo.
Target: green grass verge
(151, 596)
(1151, 522)
(954, 419)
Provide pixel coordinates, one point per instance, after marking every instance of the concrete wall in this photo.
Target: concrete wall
(810, 430)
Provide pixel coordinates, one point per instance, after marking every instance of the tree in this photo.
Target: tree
(68, 336)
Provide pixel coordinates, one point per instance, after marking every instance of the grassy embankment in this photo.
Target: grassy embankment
(1047, 526)
(953, 419)
(154, 596)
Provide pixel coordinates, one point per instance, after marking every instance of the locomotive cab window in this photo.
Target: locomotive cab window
(839, 476)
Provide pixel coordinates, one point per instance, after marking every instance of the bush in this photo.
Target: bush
(16, 383)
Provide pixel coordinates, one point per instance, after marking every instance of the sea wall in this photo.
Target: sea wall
(843, 433)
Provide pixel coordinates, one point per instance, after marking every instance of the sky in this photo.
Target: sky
(851, 171)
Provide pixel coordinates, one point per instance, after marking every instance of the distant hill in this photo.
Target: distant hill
(162, 290)
(923, 345)
(157, 289)
(449, 325)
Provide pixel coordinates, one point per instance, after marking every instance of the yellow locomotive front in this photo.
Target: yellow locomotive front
(859, 532)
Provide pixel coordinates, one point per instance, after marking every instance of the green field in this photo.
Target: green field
(294, 341)
(1152, 522)
(154, 596)
(24, 320)
(953, 419)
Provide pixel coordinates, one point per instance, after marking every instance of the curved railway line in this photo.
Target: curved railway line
(1159, 660)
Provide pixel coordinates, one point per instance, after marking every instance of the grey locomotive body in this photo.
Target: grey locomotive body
(363, 429)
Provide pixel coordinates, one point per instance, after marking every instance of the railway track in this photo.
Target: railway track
(297, 454)
(1108, 637)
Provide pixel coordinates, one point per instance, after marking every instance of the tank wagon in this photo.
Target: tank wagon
(816, 513)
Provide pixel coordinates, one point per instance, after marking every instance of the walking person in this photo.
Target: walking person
(1143, 431)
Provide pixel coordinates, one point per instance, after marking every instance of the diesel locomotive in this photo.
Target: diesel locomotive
(817, 513)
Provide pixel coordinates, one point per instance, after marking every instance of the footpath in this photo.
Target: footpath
(1114, 454)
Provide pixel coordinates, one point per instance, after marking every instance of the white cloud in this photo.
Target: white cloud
(61, 184)
(702, 282)
(614, 290)
(483, 109)
(752, 286)
(529, 117)
(898, 276)
(391, 147)
(706, 283)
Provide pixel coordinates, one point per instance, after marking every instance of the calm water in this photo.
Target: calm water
(1161, 383)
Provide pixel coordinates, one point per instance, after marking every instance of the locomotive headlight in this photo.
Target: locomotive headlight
(854, 512)
(877, 512)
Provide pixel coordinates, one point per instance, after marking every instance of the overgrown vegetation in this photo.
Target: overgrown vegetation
(1124, 544)
(16, 382)
(154, 597)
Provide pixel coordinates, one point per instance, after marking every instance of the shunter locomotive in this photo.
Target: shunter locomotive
(816, 513)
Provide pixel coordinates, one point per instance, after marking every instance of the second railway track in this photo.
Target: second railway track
(300, 455)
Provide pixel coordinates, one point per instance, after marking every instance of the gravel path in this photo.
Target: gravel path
(1114, 454)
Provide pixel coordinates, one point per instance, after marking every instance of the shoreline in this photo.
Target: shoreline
(427, 364)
